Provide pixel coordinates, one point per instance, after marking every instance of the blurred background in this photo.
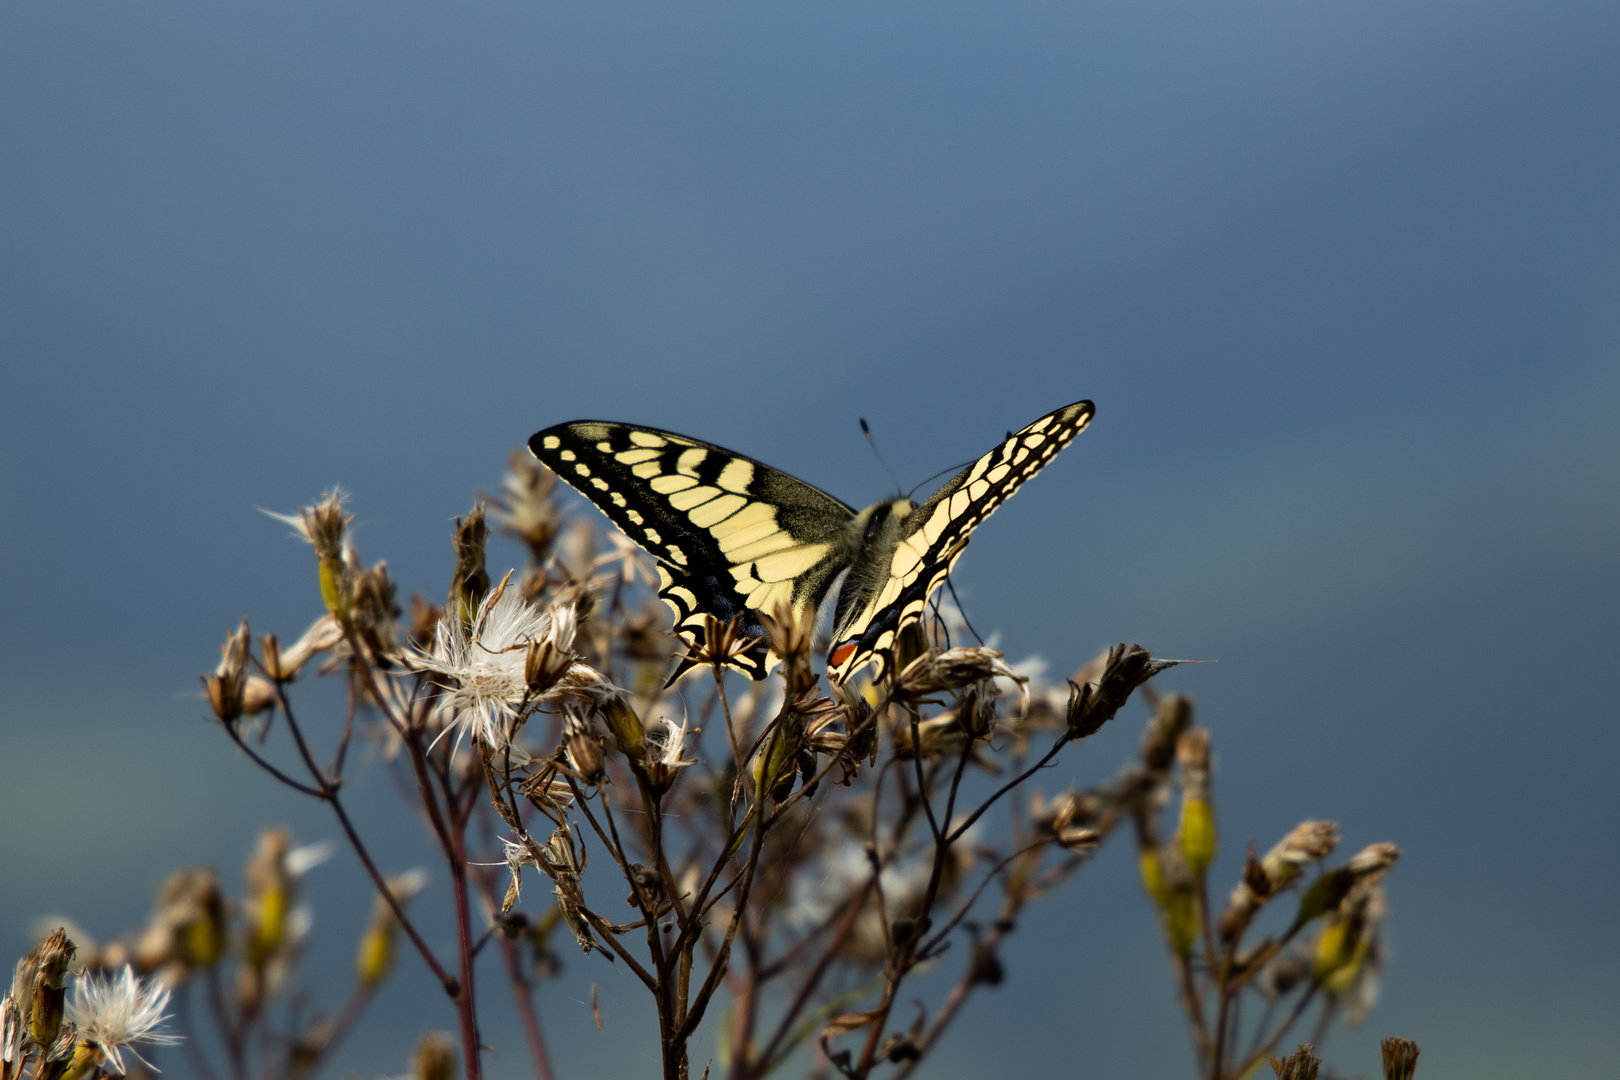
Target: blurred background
(1341, 278)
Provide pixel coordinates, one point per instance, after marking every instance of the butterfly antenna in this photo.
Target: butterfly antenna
(958, 467)
(867, 431)
(951, 585)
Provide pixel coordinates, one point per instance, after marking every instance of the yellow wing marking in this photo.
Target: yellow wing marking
(670, 483)
(697, 496)
(689, 460)
(737, 475)
(715, 511)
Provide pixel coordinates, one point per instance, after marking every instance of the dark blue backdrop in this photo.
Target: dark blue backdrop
(1341, 277)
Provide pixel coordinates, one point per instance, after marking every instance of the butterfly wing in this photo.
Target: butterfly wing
(732, 536)
(934, 536)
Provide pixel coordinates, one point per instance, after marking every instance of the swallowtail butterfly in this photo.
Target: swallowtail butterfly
(735, 537)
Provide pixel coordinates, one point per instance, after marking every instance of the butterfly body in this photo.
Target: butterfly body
(736, 538)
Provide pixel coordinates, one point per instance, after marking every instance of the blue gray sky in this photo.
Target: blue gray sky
(1341, 278)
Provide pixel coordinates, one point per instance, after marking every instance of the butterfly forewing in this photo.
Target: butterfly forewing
(732, 536)
(935, 535)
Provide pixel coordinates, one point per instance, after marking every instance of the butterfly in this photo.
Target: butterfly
(734, 537)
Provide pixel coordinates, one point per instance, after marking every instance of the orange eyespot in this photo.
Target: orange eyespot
(842, 653)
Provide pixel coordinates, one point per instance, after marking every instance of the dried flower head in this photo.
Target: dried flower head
(1302, 1064)
(518, 855)
(548, 659)
(470, 582)
(718, 644)
(526, 509)
(484, 663)
(1400, 1058)
(582, 749)
(953, 669)
(321, 525)
(113, 1013)
(435, 1058)
(1307, 842)
(666, 750)
(227, 686)
(1170, 719)
(559, 860)
(1092, 703)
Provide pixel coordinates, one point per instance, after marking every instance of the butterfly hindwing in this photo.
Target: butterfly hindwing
(732, 536)
(903, 576)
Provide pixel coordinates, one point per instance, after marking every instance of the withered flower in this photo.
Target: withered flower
(518, 855)
(976, 709)
(1400, 1058)
(582, 748)
(322, 526)
(227, 686)
(435, 1058)
(1170, 719)
(665, 754)
(953, 669)
(1365, 868)
(1307, 842)
(526, 509)
(114, 1013)
(376, 609)
(470, 582)
(485, 663)
(643, 637)
(284, 664)
(548, 659)
(564, 867)
(720, 643)
(1093, 704)
(1302, 1064)
(790, 639)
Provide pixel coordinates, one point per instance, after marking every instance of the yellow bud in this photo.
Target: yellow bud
(1198, 842)
(332, 589)
(376, 954)
(272, 924)
(1153, 876)
(205, 942)
(626, 727)
(1180, 921)
(435, 1058)
(1335, 947)
(85, 1059)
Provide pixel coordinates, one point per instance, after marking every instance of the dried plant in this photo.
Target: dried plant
(784, 856)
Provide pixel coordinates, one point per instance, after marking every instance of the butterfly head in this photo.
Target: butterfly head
(881, 524)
